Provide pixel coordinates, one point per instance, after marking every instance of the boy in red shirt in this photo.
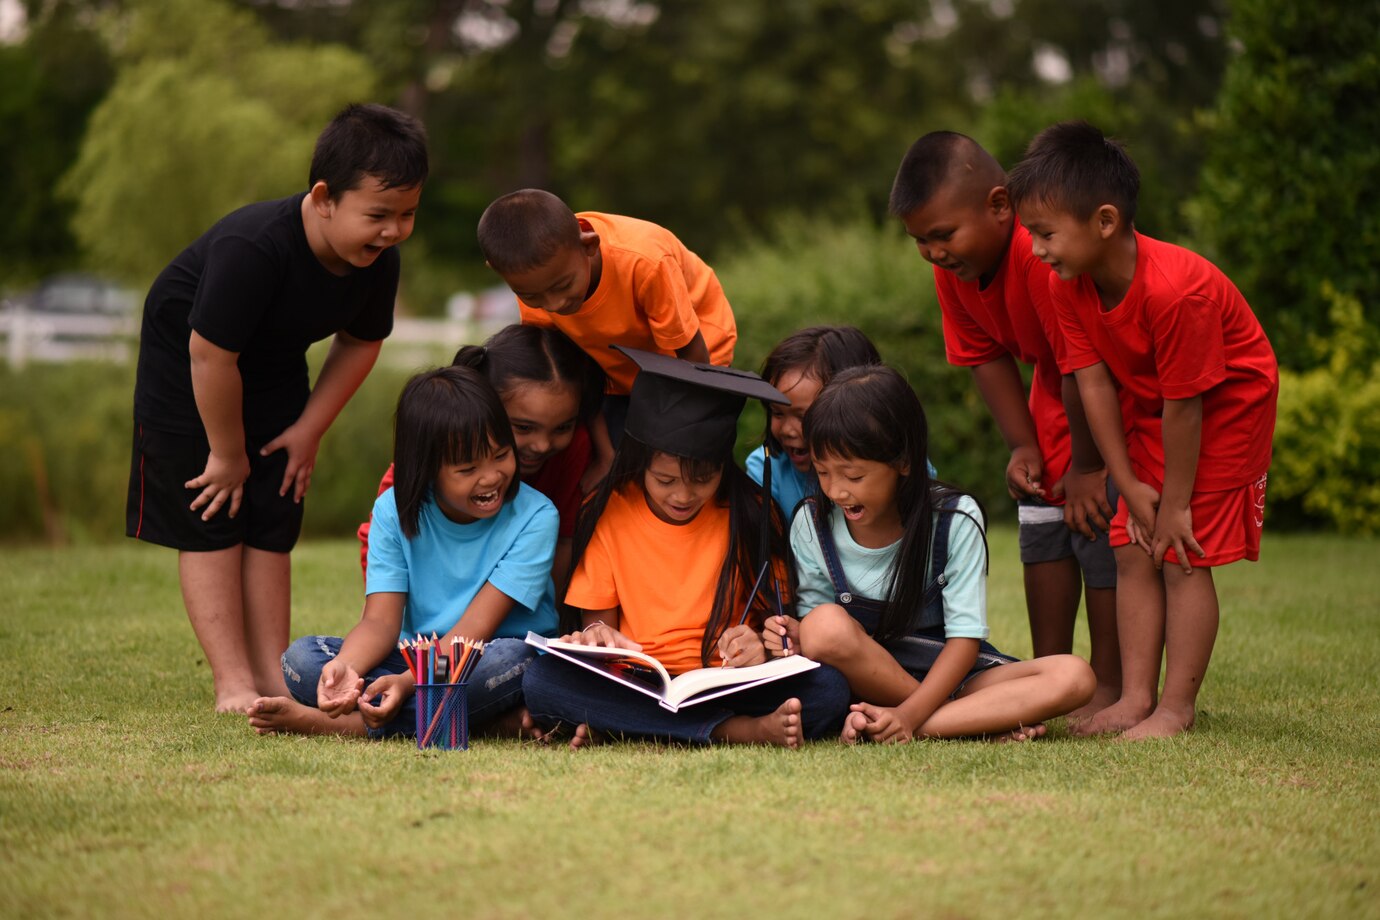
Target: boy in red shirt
(1191, 451)
(994, 297)
(604, 279)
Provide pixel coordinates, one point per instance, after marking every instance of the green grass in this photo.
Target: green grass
(122, 794)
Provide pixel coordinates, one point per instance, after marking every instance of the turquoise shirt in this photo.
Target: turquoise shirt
(788, 485)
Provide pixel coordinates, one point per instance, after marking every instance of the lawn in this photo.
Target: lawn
(122, 794)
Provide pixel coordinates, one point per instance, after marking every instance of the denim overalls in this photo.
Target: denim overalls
(918, 651)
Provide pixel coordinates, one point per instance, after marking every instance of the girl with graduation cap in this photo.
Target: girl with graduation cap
(666, 555)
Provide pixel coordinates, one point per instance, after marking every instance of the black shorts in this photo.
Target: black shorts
(159, 506)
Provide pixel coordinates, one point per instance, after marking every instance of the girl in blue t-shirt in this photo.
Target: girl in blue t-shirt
(460, 546)
(892, 572)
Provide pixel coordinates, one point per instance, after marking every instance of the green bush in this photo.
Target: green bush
(1327, 438)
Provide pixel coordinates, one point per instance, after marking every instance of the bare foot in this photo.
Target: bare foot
(1019, 733)
(511, 724)
(781, 728)
(236, 701)
(273, 714)
(585, 737)
(1102, 698)
(1159, 724)
(853, 728)
(1117, 717)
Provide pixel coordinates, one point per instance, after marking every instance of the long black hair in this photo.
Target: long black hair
(743, 560)
(446, 416)
(516, 355)
(871, 413)
(819, 352)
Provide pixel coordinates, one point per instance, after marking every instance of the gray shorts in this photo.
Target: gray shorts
(1044, 538)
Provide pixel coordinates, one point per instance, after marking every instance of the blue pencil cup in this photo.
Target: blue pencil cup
(443, 717)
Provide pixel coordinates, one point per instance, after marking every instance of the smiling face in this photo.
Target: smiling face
(543, 416)
(1069, 246)
(672, 497)
(561, 283)
(787, 422)
(962, 230)
(865, 490)
(352, 230)
(474, 489)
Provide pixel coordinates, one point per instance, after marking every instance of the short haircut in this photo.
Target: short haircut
(519, 355)
(450, 415)
(526, 229)
(1074, 167)
(931, 162)
(369, 140)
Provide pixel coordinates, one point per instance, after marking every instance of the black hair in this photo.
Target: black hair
(1074, 167)
(525, 229)
(819, 352)
(746, 504)
(871, 413)
(931, 162)
(445, 416)
(517, 354)
(369, 140)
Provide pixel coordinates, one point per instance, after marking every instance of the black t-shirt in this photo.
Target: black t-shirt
(252, 285)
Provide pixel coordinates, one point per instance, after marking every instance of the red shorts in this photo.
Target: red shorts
(1227, 525)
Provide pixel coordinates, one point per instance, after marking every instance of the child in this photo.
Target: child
(892, 582)
(225, 426)
(460, 547)
(550, 390)
(994, 298)
(603, 280)
(1190, 453)
(676, 506)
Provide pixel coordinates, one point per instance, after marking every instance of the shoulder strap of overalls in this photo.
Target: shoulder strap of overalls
(939, 546)
(825, 534)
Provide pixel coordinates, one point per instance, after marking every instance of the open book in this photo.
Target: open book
(646, 675)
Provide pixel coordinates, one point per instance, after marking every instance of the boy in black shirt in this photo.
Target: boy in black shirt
(226, 422)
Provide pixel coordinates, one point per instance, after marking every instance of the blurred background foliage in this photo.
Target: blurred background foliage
(765, 134)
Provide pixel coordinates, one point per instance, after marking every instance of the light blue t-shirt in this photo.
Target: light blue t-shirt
(789, 487)
(444, 566)
(868, 571)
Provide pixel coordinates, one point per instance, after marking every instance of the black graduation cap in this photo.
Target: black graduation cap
(687, 408)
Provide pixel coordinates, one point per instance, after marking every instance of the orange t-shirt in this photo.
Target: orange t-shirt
(661, 576)
(653, 294)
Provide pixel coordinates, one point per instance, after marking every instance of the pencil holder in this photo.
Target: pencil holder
(443, 717)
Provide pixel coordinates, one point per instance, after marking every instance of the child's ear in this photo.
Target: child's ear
(903, 468)
(999, 203)
(1108, 218)
(321, 199)
(589, 241)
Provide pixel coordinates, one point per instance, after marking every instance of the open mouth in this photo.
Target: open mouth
(852, 512)
(486, 501)
(799, 456)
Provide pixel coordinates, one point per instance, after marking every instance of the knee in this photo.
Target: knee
(302, 664)
(1076, 681)
(828, 633)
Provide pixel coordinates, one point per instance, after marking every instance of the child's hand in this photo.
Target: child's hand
(774, 629)
(601, 634)
(338, 689)
(380, 702)
(221, 481)
(1086, 509)
(1024, 472)
(1142, 501)
(740, 646)
(594, 473)
(1174, 527)
(884, 724)
(301, 445)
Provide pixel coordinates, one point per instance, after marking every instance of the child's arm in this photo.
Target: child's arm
(1103, 410)
(367, 644)
(903, 722)
(1182, 430)
(347, 364)
(219, 393)
(601, 455)
(600, 627)
(999, 382)
(694, 350)
(1085, 484)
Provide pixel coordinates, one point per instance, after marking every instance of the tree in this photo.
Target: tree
(1291, 191)
(206, 114)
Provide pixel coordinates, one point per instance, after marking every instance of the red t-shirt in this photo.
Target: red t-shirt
(1013, 315)
(1182, 330)
(558, 479)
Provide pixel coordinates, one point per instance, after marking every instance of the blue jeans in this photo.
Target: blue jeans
(494, 688)
(558, 691)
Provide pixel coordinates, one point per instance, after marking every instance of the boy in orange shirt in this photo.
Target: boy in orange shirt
(605, 279)
(994, 296)
(1190, 452)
